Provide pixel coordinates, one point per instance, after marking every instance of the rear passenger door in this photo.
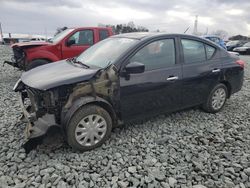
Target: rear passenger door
(201, 70)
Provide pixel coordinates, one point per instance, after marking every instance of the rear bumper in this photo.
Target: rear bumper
(36, 126)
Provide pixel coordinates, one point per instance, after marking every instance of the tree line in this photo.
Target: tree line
(117, 29)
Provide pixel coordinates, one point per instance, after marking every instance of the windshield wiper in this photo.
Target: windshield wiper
(77, 62)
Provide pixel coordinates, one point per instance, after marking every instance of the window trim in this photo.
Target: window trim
(80, 31)
(149, 42)
(212, 44)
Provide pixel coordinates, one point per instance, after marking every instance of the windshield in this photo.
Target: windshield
(105, 52)
(61, 35)
(231, 43)
(247, 44)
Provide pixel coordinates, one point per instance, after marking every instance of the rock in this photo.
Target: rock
(62, 184)
(242, 185)
(156, 174)
(229, 183)
(123, 184)
(47, 171)
(247, 171)
(243, 176)
(94, 176)
(199, 186)
(58, 166)
(172, 181)
(22, 156)
(21, 185)
(132, 169)
(83, 184)
(118, 155)
(230, 170)
(165, 185)
(66, 169)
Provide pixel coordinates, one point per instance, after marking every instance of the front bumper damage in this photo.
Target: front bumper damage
(18, 59)
(36, 127)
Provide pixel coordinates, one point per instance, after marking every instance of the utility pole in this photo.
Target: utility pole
(196, 25)
(1, 33)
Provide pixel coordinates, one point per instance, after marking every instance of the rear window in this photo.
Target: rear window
(103, 34)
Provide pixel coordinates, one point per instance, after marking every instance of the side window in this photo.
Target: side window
(156, 55)
(210, 51)
(85, 37)
(103, 34)
(194, 51)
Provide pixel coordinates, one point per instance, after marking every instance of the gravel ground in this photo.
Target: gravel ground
(185, 149)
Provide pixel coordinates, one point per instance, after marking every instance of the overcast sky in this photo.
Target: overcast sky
(39, 16)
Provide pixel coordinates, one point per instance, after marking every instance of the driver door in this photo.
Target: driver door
(158, 88)
(83, 40)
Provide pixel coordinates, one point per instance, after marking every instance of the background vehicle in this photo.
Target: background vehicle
(69, 43)
(245, 49)
(234, 43)
(217, 40)
(126, 77)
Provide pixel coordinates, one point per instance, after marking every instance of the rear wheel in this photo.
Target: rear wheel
(35, 63)
(216, 99)
(89, 128)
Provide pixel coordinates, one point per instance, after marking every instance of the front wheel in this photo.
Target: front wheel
(89, 128)
(216, 99)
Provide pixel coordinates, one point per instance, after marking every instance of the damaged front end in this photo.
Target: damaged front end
(44, 109)
(39, 112)
(18, 59)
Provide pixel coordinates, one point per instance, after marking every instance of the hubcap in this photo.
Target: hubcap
(218, 98)
(90, 130)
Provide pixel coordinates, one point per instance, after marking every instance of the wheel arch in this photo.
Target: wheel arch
(67, 114)
(42, 54)
(228, 86)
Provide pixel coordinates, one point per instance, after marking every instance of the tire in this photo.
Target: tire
(35, 63)
(80, 134)
(216, 93)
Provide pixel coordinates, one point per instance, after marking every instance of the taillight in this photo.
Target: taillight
(241, 63)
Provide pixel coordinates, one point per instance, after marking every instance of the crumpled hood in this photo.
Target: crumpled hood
(30, 44)
(56, 74)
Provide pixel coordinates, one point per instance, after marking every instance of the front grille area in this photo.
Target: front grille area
(18, 53)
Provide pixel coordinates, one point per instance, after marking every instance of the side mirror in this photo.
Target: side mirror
(70, 42)
(135, 68)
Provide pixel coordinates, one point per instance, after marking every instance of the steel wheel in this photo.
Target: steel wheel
(90, 130)
(218, 98)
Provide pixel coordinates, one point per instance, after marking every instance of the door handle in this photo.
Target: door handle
(171, 78)
(215, 70)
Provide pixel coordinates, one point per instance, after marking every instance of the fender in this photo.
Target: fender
(68, 113)
(42, 54)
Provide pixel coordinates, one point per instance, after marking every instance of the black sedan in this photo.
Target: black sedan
(123, 78)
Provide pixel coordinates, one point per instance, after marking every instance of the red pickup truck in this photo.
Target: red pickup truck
(69, 43)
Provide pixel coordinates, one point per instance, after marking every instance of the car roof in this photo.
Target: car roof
(147, 35)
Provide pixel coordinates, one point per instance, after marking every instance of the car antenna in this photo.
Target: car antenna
(187, 29)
